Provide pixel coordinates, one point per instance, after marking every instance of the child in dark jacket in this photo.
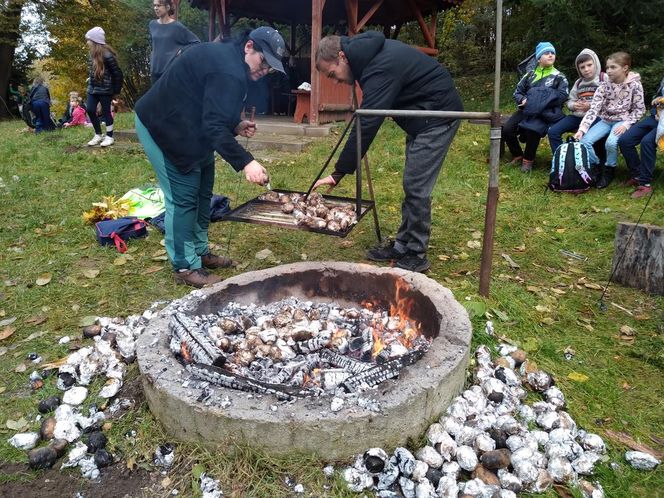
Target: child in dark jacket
(104, 82)
(40, 101)
(644, 133)
(547, 89)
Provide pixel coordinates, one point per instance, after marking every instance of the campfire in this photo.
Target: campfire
(294, 348)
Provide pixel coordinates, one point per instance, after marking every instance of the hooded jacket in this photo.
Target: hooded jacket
(615, 102)
(542, 109)
(541, 76)
(584, 89)
(194, 108)
(393, 75)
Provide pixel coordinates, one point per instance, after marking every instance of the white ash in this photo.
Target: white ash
(424, 489)
(75, 396)
(210, 487)
(591, 490)
(473, 424)
(24, 440)
(641, 461)
(328, 470)
(357, 481)
(164, 456)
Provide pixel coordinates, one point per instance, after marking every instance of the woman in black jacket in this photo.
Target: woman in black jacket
(104, 82)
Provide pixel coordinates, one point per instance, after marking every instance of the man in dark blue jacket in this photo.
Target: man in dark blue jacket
(393, 75)
(192, 111)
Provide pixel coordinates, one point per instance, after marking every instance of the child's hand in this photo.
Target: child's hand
(581, 106)
(619, 130)
(578, 135)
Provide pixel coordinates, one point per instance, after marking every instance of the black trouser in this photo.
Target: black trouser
(105, 101)
(511, 134)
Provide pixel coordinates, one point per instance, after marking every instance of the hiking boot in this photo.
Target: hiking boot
(212, 261)
(414, 262)
(607, 177)
(632, 182)
(384, 253)
(107, 141)
(196, 278)
(526, 166)
(516, 161)
(642, 191)
(96, 140)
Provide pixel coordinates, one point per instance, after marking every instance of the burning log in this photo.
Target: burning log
(225, 378)
(341, 361)
(379, 373)
(199, 346)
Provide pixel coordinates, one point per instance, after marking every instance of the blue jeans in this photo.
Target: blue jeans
(187, 200)
(598, 131)
(42, 111)
(642, 133)
(570, 123)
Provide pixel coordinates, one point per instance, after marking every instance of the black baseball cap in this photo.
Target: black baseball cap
(271, 44)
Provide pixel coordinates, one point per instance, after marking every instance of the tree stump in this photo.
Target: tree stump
(639, 261)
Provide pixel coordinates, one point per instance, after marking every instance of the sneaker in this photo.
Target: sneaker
(107, 141)
(632, 182)
(642, 191)
(384, 253)
(526, 166)
(196, 278)
(607, 177)
(212, 261)
(96, 140)
(414, 262)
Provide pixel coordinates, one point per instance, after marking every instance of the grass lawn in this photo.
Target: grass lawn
(549, 305)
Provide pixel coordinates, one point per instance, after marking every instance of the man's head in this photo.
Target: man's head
(586, 66)
(332, 62)
(263, 52)
(545, 53)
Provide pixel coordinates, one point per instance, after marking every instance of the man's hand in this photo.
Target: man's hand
(246, 128)
(254, 172)
(328, 180)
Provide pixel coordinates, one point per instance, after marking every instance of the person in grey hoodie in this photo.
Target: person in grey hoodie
(618, 102)
(591, 75)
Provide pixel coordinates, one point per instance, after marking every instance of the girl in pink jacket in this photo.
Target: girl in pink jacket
(618, 102)
(78, 115)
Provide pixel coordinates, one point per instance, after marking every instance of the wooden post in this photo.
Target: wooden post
(638, 257)
(317, 7)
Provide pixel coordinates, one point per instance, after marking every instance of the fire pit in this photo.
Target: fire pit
(193, 406)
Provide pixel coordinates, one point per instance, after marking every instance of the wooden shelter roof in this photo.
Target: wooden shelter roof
(299, 11)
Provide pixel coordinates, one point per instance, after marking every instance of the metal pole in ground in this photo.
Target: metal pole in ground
(494, 166)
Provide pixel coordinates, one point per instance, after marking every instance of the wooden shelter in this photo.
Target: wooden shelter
(327, 100)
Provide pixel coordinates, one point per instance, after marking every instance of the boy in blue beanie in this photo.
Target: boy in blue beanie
(539, 97)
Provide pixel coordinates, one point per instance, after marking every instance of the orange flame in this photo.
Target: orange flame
(184, 350)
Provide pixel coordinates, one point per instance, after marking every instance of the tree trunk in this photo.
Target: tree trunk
(10, 20)
(639, 261)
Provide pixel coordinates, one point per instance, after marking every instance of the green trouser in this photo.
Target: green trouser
(187, 200)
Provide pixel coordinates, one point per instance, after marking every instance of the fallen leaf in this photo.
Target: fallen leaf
(119, 261)
(622, 308)
(474, 244)
(87, 320)
(160, 252)
(476, 234)
(510, 261)
(44, 279)
(3, 351)
(626, 386)
(542, 309)
(547, 320)
(569, 350)
(627, 440)
(521, 248)
(90, 273)
(11, 283)
(153, 269)
(7, 321)
(36, 320)
(462, 256)
(590, 285)
(627, 330)
(17, 425)
(560, 292)
(346, 243)
(264, 254)
(588, 327)
(7, 332)
(160, 258)
(562, 491)
(166, 482)
(501, 316)
(533, 288)
(577, 377)
(2, 389)
(131, 463)
(443, 257)
(20, 368)
(131, 250)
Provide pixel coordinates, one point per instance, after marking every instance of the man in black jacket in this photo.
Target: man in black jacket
(192, 111)
(393, 75)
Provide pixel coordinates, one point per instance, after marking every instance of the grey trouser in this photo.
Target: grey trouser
(425, 154)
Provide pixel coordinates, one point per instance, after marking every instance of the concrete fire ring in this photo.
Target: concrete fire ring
(409, 403)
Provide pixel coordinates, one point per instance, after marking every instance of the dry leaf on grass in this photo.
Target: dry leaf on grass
(119, 261)
(6, 332)
(44, 279)
(153, 269)
(547, 320)
(593, 286)
(20, 368)
(542, 309)
(627, 440)
(474, 244)
(562, 491)
(160, 258)
(521, 248)
(36, 320)
(90, 273)
(577, 377)
(510, 261)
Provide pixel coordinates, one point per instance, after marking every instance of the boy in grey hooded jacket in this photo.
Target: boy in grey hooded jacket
(581, 95)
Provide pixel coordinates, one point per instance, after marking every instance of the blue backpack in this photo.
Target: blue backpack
(571, 170)
(116, 232)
